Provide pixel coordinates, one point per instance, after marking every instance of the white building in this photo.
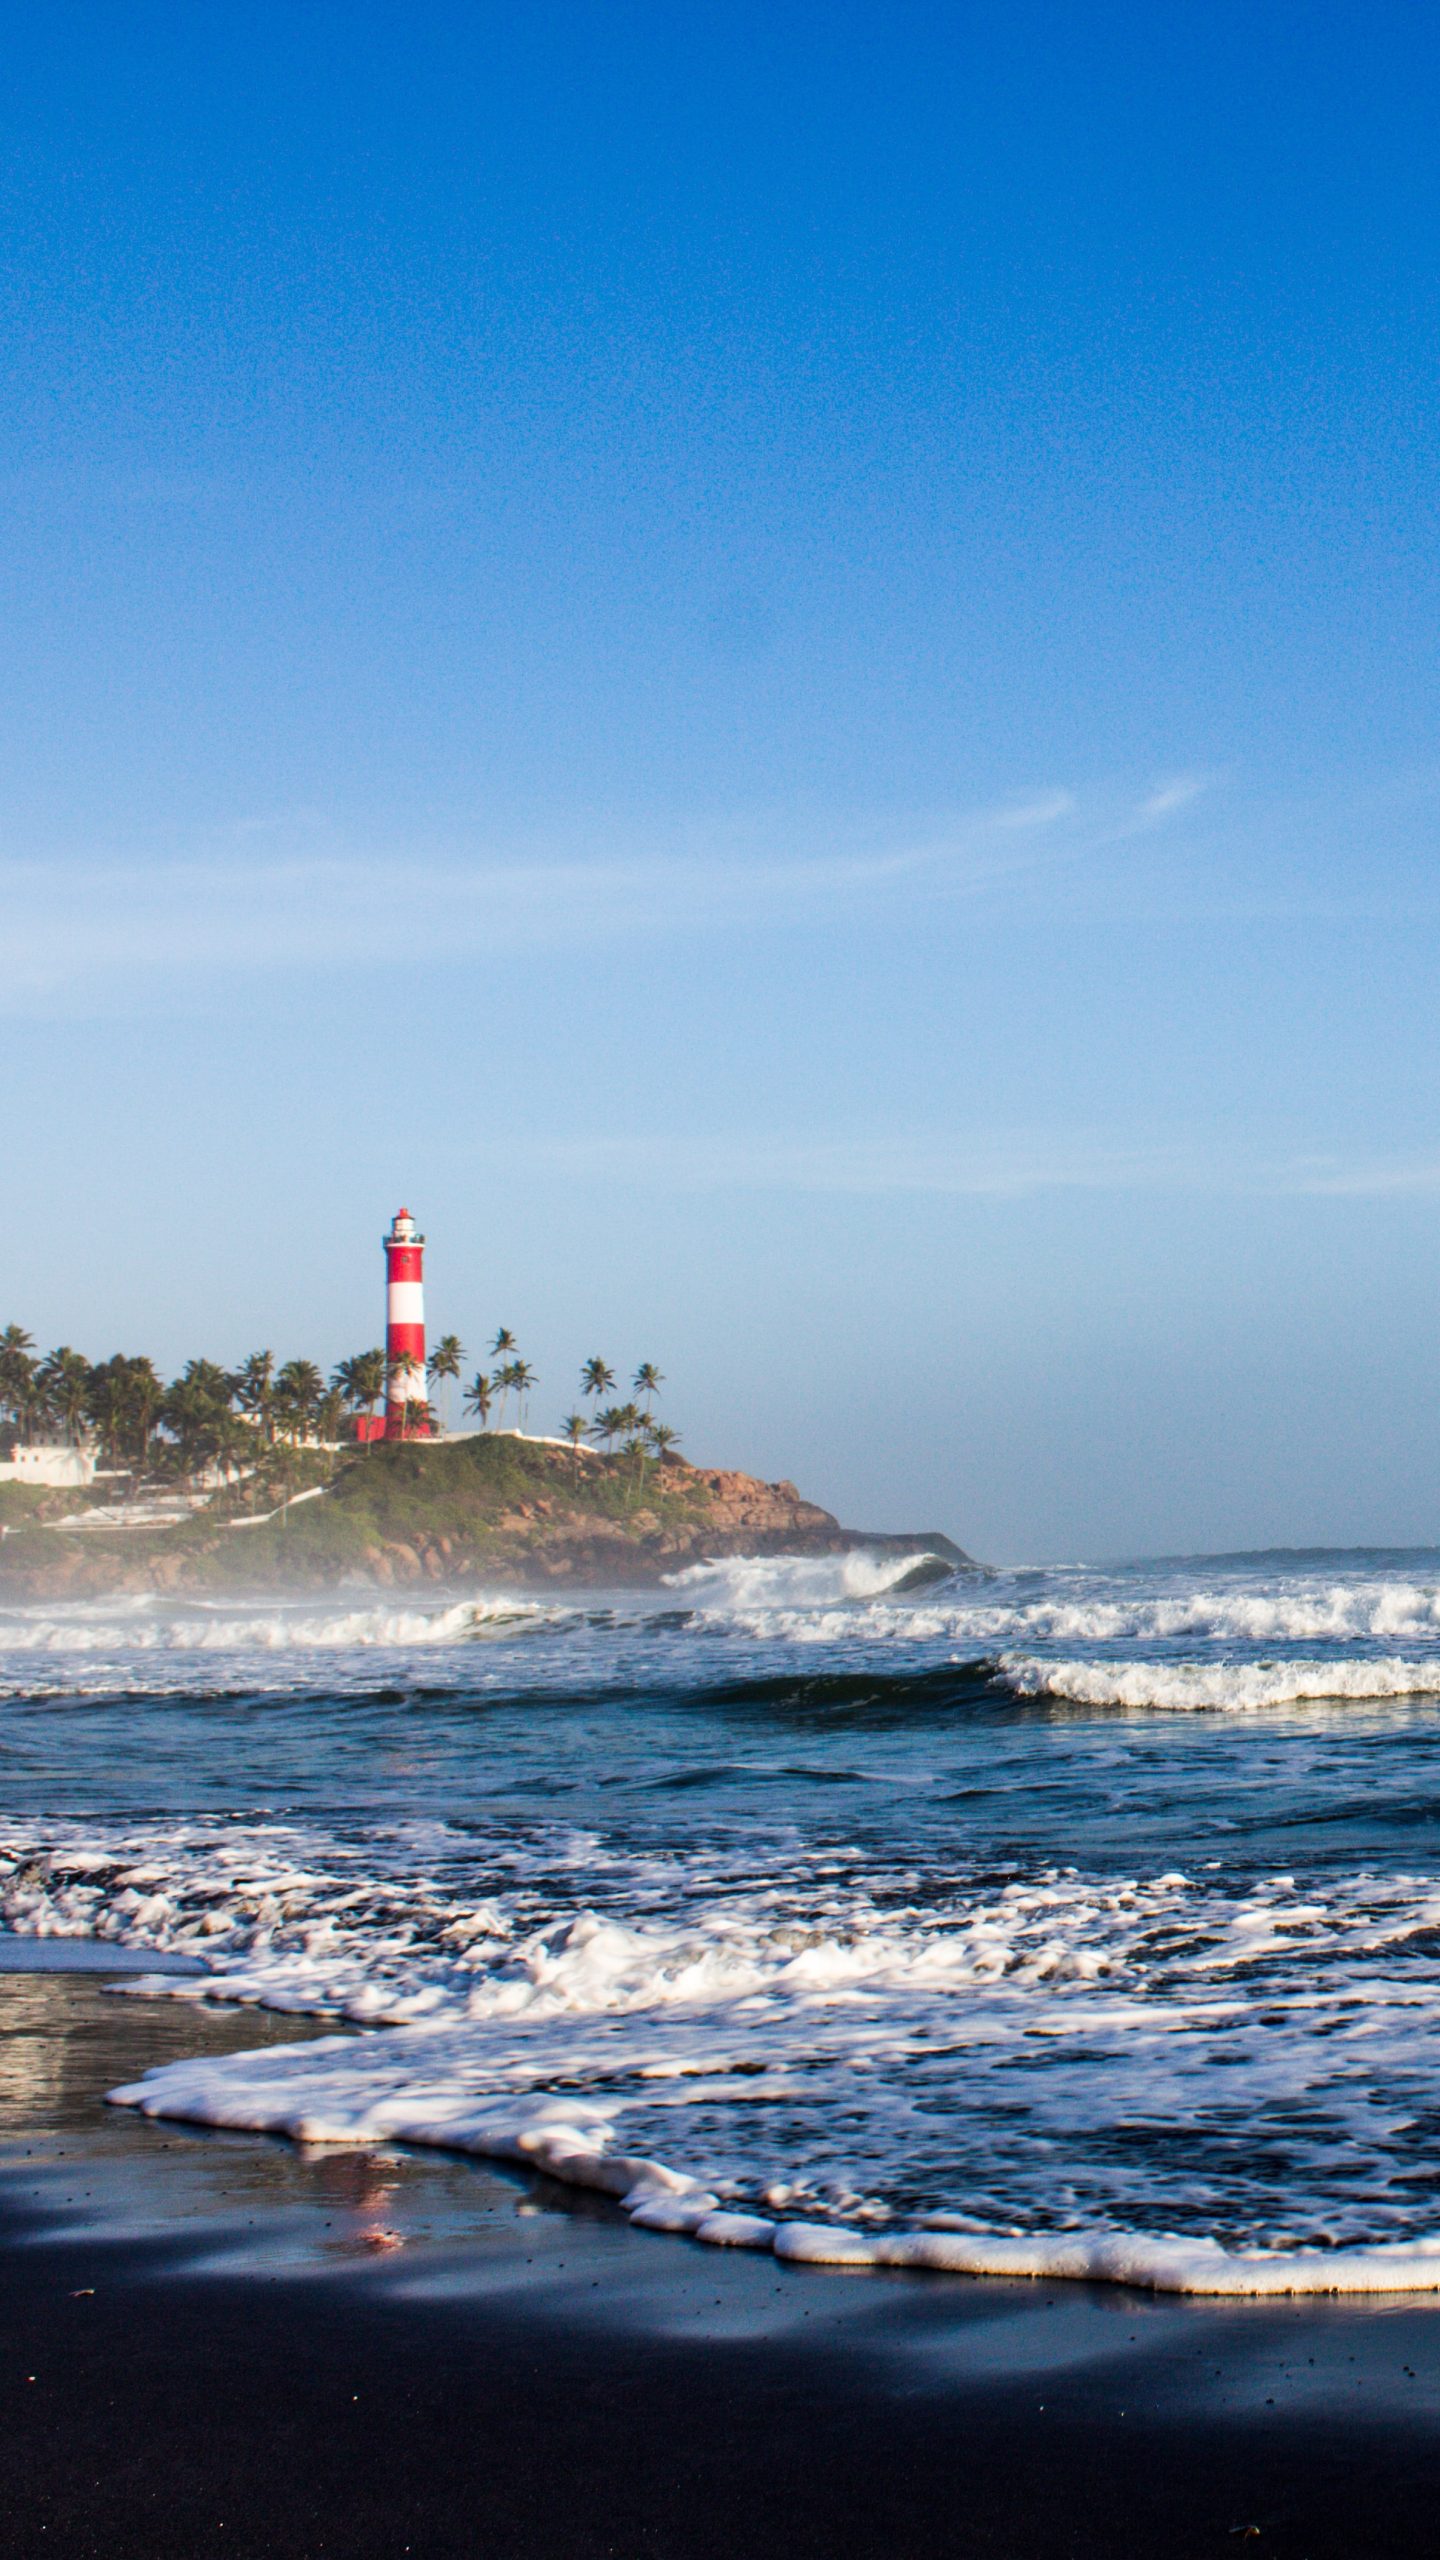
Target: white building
(46, 1462)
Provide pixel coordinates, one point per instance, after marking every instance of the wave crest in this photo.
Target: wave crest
(295, 1628)
(1195, 1686)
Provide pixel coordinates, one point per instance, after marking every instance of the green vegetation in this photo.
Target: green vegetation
(214, 1424)
(472, 1496)
(25, 1506)
(391, 1513)
(244, 1443)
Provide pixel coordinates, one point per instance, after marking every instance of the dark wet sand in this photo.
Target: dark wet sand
(217, 2344)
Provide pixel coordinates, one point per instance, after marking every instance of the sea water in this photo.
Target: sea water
(1059, 1921)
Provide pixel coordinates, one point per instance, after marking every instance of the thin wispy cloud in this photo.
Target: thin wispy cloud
(284, 892)
(249, 905)
(1169, 798)
(1035, 809)
(79, 924)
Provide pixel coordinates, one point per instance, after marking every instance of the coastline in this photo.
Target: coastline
(518, 1514)
(237, 2344)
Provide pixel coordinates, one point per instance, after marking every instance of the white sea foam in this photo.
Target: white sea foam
(779, 2035)
(737, 1586)
(826, 1602)
(839, 1599)
(846, 2064)
(1198, 1685)
(411, 2086)
(146, 1627)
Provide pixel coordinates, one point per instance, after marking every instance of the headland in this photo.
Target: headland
(515, 1512)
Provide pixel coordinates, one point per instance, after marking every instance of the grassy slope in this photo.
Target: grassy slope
(480, 1495)
(478, 1500)
(25, 1506)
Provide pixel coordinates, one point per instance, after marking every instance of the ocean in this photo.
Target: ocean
(1066, 1921)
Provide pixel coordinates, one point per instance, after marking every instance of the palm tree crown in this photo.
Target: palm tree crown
(522, 1379)
(648, 1381)
(20, 1395)
(298, 1390)
(201, 1416)
(255, 1390)
(65, 1381)
(361, 1380)
(445, 1359)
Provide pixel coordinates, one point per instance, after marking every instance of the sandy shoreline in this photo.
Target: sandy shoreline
(238, 2346)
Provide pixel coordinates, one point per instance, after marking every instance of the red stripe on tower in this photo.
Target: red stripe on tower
(405, 1331)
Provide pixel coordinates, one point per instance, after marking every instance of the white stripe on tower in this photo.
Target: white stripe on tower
(405, 1325)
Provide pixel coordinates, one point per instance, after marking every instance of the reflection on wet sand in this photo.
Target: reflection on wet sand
(68, 2159)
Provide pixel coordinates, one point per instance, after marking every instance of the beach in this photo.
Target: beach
(237, 2346)
(444, 2045)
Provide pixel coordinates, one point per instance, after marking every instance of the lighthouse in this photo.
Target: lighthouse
(404, 1328)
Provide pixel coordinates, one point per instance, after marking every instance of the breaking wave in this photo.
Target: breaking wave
(733, 1586)
(826, 1914)
(148, 1627)
(1196, 1686)
(859, 2064)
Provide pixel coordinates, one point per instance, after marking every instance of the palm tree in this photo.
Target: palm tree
(504, 1341)
(144, 1397)
(477, 1399)
(504, 1382)
(608, 1424)
(659, 1439)
(648, 1383)
(196, 1412)
(361, 1380)
(210, 1380)
(123, 1399)
(18, 1390)
(233, 1444)
(65, 1378)
(574, 1428)
(105, 1405)
(522, 1379)
(634, 1449)
(255, 1391)
(596, 1378)
(330, 1414)
(298, 1390)
(444, 1361)
(399, 1378)
(629, 1424)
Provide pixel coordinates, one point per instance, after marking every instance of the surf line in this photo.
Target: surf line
(557, 2141)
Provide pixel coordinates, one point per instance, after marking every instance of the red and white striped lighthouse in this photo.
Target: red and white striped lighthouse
(404, 1329)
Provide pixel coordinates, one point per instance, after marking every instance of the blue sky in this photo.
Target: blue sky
(780, 664)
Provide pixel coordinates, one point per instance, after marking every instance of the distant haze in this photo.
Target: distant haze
(782, 669)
